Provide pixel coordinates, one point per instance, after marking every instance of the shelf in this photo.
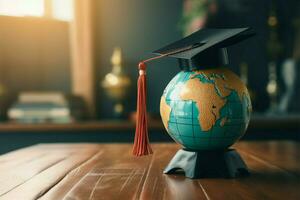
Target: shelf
(263, 122)
(103, 125)
(275, 122)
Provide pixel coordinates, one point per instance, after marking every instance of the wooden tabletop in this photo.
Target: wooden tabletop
(97, 171)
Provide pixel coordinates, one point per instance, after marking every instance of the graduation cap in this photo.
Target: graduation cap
(203, 49)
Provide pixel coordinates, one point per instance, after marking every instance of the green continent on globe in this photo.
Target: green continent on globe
(205, 109)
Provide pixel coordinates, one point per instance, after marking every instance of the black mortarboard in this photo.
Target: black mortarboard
(205, 48)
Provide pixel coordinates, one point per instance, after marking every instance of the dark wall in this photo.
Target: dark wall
(142, 26)
(138, 27)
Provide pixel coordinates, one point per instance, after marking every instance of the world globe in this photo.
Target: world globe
(206, 109)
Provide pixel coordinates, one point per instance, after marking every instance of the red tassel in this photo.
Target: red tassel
(141, 144)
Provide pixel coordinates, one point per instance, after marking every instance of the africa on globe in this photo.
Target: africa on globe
(206, 109)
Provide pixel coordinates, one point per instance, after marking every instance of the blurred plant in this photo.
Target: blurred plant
(195, 14)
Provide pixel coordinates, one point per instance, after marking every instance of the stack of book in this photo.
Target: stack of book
(41, 107)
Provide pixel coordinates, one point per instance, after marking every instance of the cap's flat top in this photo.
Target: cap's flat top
(204, 39)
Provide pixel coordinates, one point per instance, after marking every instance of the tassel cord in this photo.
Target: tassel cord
(141, 142)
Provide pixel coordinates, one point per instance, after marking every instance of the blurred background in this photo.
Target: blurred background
(68, 68)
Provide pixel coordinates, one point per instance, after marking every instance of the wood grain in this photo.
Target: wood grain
(109, 171)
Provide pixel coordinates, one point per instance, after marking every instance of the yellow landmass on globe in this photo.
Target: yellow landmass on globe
(225, 82)
(165, 111)
(207, 100)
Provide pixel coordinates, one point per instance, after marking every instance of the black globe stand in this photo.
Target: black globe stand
(199, 164)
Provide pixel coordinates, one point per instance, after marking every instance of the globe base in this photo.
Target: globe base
(202, 164)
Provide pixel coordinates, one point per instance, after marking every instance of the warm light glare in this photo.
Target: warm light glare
(22, 7)
(62, 9)
(59, 9)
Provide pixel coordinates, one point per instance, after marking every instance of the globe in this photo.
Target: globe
(206, 109)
